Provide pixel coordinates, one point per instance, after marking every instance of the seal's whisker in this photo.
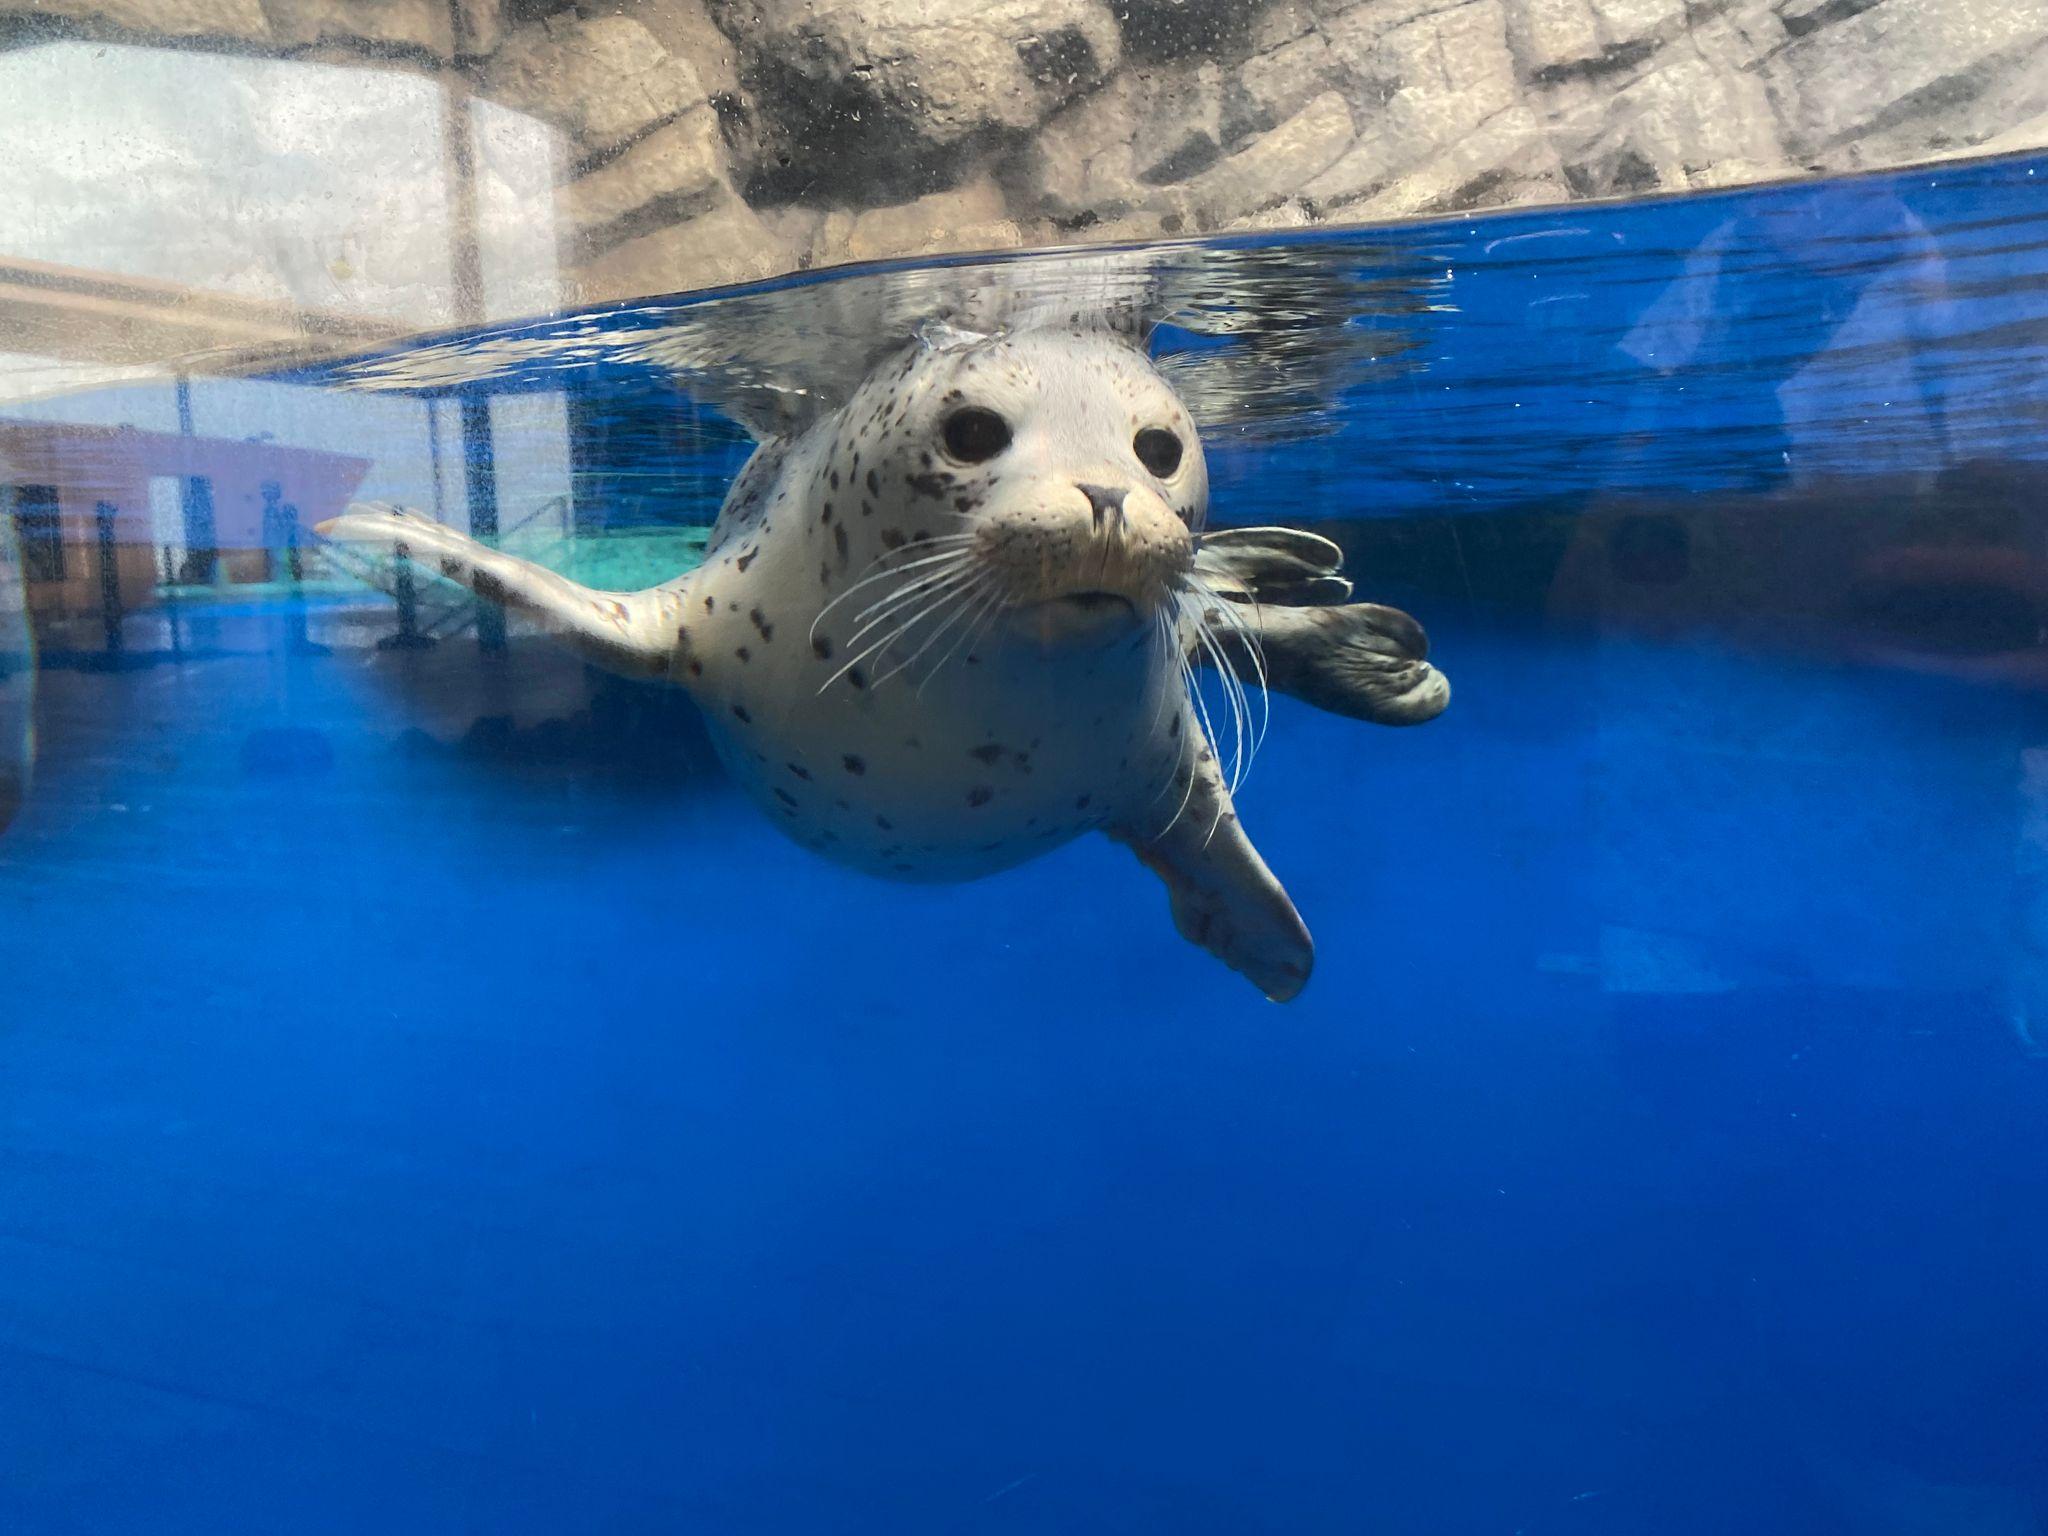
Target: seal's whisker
(884, 566)
(1243, 745)
(977, 604)
(958, 584)
(1232, 701)
(962, 604)
(1208, 725)
(1165, 637)
(1188, 789)
(1249, 640)
(1221, 656)
(1194, 636)
(942, 571)
(913, 588)
(1234, 695)
(1240, 707)
(1172, 698)
(987, 604)
(968, 637)
(932, 603)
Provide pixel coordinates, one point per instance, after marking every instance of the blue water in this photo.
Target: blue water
(431, 1100)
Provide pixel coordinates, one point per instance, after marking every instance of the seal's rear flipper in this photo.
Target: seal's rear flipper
(626, 632)
(1224, 897)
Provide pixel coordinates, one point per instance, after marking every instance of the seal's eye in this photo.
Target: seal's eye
(974, 434)
(1158, 450)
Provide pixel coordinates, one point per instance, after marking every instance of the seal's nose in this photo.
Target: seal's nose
(1104, 500)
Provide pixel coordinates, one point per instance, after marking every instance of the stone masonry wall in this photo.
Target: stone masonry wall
(709, 141)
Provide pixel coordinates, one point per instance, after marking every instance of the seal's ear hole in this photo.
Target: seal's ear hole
(974, 434)
(1158, 450)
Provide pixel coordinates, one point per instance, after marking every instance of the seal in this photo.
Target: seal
(956, 623)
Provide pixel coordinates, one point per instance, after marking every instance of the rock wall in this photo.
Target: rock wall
(708, 141)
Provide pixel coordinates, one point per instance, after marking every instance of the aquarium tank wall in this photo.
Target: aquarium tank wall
(1172, 766)
(341, 169)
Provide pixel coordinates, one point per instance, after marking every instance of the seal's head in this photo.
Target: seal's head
(1059, 465)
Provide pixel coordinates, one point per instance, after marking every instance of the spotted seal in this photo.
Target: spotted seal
(954, 623)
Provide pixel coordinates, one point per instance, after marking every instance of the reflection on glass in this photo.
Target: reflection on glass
(17, 661)
(165, 206)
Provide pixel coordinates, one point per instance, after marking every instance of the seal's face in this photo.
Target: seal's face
(1062, 474)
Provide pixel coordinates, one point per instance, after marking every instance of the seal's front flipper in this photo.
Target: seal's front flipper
(625, 632)
(1286, 566)
(1361, 660)
(1224, 897)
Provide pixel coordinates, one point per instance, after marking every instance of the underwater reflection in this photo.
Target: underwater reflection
(1262, 339)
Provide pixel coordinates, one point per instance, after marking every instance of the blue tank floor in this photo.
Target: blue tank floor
(394, 1143)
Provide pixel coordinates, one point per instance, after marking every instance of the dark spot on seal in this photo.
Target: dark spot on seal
(835, 479)
(855, 676)
(1082, 803)
(874, 485)
(746, 560)
(1173, 730)
(905, 869)
(839, 542)
(785, 797)
(696, 667)
(928, 484)
(761, 623)
(710, 606)
(989, 754)
(980, 795)
(740, 713)
(962, 503)
(821, 647)
(799, 770)
(892, 538)
(826, 515)
(743, 653)
(854, 764)
(885, 824)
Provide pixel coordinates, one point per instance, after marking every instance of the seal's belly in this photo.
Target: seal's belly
(961, 780)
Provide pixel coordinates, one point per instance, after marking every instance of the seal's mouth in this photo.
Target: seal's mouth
(1104, 604)
(1076, 617)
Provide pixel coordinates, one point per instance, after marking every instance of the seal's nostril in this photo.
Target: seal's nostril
(1104, 500)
